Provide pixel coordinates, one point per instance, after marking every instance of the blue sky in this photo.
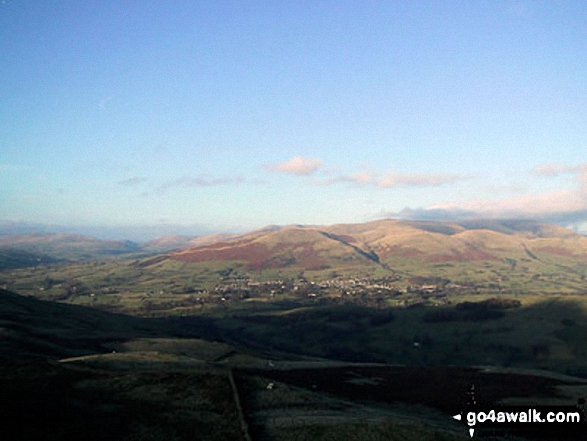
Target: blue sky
(221, 115)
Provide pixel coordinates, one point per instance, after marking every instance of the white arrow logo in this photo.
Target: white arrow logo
(459, 417)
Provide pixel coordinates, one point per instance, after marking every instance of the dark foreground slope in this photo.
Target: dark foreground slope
(70, 373)
(45, 397)
(35, 328)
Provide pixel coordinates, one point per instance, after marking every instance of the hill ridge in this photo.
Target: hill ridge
(382, 242)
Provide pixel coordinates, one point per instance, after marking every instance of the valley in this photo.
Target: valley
(367, 331)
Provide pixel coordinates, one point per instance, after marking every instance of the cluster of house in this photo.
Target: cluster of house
(363, 290)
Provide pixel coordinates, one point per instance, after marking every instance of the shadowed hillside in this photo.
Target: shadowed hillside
(36, 328)
(71, 372)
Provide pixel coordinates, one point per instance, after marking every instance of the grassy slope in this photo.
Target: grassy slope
(291, 247)
(159, 386)
(404, 246)
(140, 397)
(547, 333)
(31, 327)
(148, 388)
(542, 333)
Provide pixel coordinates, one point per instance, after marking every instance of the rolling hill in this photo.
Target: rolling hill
(384, 243)
(167, 243)
(308, 248)
(387, 262)
(39, 249)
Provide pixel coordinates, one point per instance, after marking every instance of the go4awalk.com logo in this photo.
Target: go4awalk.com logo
(564, 422)
(514, 417)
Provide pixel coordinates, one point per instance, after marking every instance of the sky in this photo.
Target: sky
(206, 116)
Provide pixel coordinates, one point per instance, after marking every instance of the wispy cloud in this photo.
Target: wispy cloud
(393, 179)
(104, 101)
(559, 169)
(301, 166)
(203, 181)
(359, 179)
(131, 182)
(504, 189)
(298, 165)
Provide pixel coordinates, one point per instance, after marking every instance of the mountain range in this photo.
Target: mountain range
(388, 243)
(385, 244)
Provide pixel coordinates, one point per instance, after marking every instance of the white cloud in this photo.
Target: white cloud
(565, 207)
(297, 165)
(301, 166)
(536, 205)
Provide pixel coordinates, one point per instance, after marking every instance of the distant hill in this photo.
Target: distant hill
(36, 249)
(380, 243)
(11, 258)
(491, 257)
(308, 248)
(385, 242)
(167, 243)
